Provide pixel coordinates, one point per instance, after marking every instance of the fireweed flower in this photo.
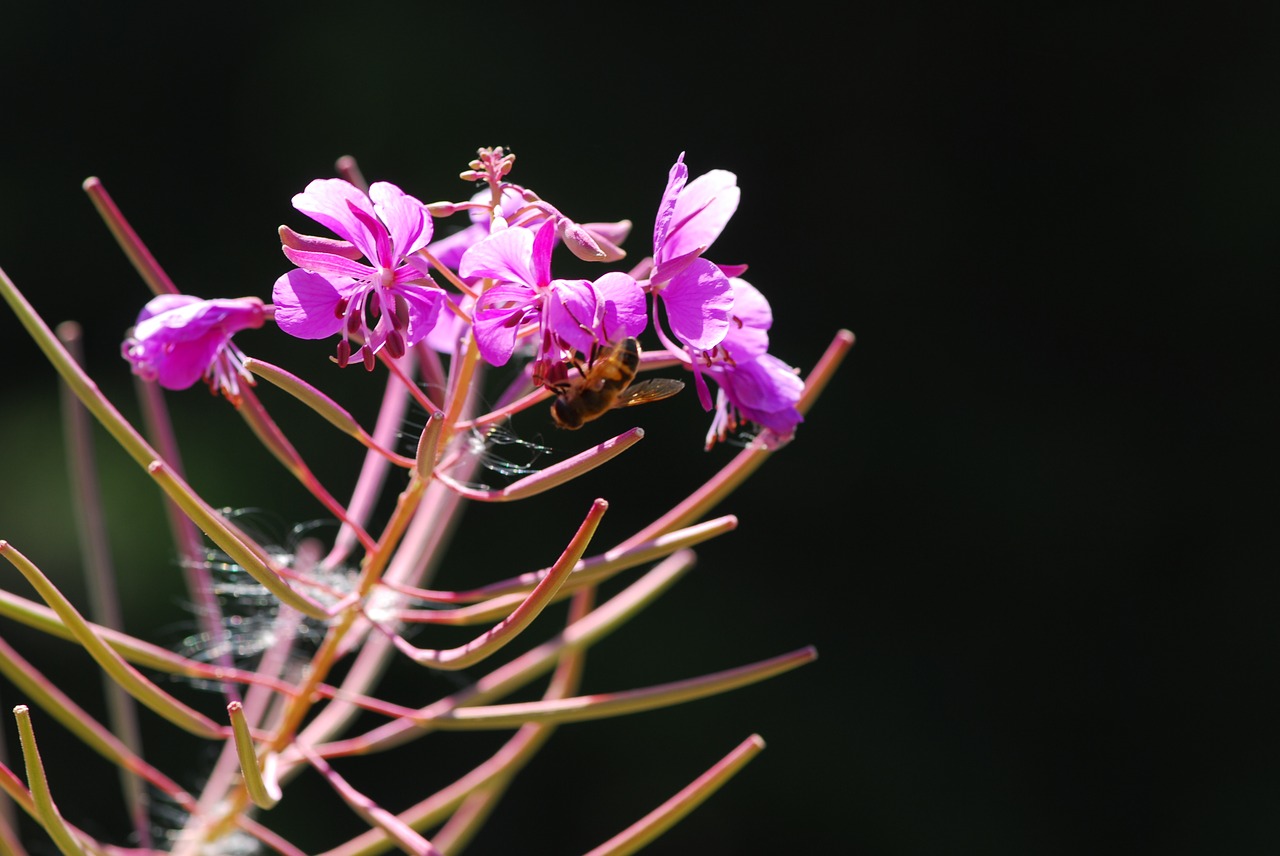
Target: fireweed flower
(763, 390)
(755, 386)
(695, 292)
(179, 339)
(572, 315)
(384, 301)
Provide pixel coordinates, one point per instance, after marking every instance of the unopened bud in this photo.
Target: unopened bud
(588, 244)
(579, 241)
(442, 209)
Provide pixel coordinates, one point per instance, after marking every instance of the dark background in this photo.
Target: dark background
(1025, 527)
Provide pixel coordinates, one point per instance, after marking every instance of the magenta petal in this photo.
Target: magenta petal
(666, 209)
(698, 303)
(506, 255)
(306, 304)
(495, 336)
(424, 309)
(498, 317)
(570, 314)
(764, 391)
(668, 267)
(748, 337)
(182, 367)
(702, 211)
(406, 219)
(625, 313)
(543, 243)
(328, 201)
(766, 384)
(329, 263)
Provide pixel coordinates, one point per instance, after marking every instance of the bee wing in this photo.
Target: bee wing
(654, 389)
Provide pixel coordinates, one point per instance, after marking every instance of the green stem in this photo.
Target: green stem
(45, 810)
(129, 678)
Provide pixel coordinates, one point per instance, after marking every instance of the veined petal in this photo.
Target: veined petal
(699, 302)
(748, 337)
(763, 385)
(764, 391)
(623, 302)
(329, 264)
(306, 304)
(570, 314)
(411, 274)
(666, 209)
(669, 267)
(382, 254)
(424, 303)
(505, 255)
(497, 318)
(405, 217)
(543, 243)
(703, 210)
(327, 201)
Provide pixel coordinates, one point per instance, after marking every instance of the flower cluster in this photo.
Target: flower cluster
(295, 638)
(373, 286)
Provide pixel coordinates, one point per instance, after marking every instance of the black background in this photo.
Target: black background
(1025, 527)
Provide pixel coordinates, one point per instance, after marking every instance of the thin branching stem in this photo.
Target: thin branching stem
(650, 827)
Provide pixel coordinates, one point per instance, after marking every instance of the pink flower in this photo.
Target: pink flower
(695, 292)
(763, 390)
(572, 315)
(755, 386)
(179, 339)
(383, 301)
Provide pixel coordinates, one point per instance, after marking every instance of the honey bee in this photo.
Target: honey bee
(606, 383)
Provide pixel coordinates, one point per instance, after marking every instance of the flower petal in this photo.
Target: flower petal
(623, 302)
(570, 314)
(405, 217)
(327, 201)
(505, 255)
(329, 263)
(766, 391)
(424, 309)
(666, 208)
(698, 303)
(702, 211)
(748, 337)
(498, 317)
(306, 304)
